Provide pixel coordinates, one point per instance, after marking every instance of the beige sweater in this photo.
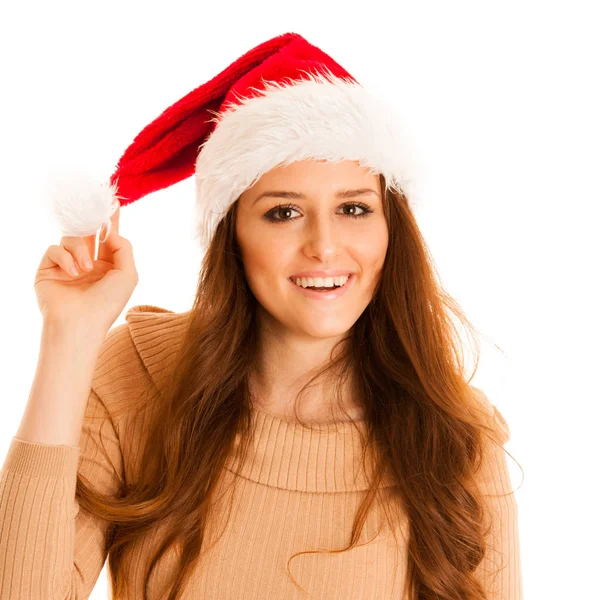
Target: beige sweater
(298, 491)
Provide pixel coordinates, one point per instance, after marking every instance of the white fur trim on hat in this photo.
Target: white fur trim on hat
(321, 118)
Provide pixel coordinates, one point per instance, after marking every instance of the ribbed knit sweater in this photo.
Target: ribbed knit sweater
(298, 490)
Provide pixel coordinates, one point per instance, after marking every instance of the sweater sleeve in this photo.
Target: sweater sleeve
(49, 548)
(500, 570)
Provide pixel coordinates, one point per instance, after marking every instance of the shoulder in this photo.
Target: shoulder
(138, 350)
(495, 417)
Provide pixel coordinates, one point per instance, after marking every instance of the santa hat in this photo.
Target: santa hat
(283, 101)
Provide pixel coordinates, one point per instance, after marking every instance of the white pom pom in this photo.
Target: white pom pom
(82, 204)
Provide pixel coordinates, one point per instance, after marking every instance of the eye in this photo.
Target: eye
(277, 210)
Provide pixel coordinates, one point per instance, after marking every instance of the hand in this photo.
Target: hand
(94, 297)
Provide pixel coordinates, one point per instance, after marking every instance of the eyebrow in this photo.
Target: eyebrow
(299, 196)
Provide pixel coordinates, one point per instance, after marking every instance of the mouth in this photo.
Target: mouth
(339, 282)
(324, 293)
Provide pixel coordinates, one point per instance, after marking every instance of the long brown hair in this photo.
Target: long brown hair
(422, 416)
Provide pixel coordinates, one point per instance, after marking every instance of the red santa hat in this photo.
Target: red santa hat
(283, 101)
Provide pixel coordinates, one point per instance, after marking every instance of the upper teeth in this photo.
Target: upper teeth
(320, 281)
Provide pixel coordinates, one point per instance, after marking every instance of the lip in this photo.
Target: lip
(331, 273)
(332, 295)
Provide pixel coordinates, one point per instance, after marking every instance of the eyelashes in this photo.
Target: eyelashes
(269, 216)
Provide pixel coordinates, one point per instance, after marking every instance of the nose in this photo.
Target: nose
(322, 238)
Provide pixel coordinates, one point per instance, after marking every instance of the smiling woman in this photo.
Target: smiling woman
(275, 441)
(320, 237)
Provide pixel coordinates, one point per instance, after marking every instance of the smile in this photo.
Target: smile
(326, 294)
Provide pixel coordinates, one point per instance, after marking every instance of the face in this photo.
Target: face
(315, 230)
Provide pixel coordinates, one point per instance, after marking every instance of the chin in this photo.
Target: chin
(308, 324)
(321, 330)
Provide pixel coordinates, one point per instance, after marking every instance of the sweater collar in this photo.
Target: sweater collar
(313, 458)
(282, 454)
(157, 334)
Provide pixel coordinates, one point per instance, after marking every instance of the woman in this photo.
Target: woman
(294, 440)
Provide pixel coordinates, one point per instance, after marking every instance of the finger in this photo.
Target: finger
(104, 253)
(57, 256)
(121, 252)
(81, 248)
(115, 218)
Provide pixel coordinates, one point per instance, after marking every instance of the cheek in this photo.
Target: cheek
(264, 264)
(256, 249)
(371, 250)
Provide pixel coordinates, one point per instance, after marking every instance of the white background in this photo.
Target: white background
(504, 101)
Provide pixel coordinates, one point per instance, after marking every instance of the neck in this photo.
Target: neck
(286, 362)
(318, 403)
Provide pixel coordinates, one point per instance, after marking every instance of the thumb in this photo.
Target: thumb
(118, 250)
(105, 253)
(115, 219)
(121, 252)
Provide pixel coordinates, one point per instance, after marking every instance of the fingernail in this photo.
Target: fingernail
(74, 270)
